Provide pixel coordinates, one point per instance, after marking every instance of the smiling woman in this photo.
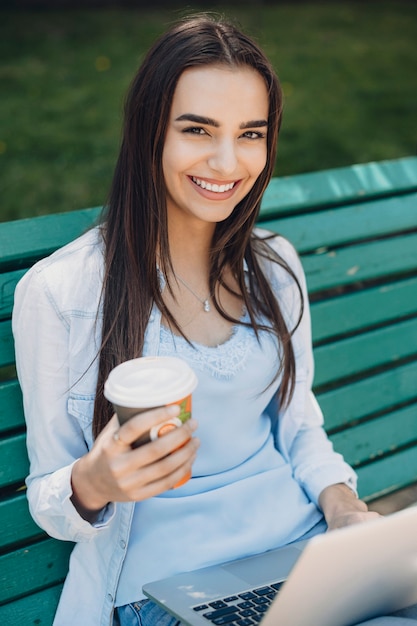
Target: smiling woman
(177, 268)
(215, 149)
(210, 162)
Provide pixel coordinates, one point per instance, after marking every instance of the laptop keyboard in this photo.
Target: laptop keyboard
(243, 609)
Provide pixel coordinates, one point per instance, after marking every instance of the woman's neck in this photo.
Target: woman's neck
(190, 298)
(190, 249)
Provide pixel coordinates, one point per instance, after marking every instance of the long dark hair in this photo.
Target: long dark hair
(135, 225)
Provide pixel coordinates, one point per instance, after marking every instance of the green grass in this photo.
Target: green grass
(347, 68)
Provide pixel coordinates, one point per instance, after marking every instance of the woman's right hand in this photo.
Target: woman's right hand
(113, 471)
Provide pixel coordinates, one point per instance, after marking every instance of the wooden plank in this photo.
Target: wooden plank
(35, 567)
(14, 464)
(11, 406)
(6, 343)
(38, 609)
(362, 352)
(377, 437)
(8, 282)
(364, 262)
(369, 396)
(388, 474)
(353, 223)
(359, 310)
(24, 241)
(16, 523)
(339, 186)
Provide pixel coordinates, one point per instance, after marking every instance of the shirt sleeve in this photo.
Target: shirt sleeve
(300, 435)
(55, 440)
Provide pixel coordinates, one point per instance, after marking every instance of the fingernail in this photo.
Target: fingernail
(193, 424)
(173, 409)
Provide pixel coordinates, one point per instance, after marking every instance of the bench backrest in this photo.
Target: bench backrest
(356, 231)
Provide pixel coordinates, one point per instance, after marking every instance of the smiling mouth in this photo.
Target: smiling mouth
(212, 186)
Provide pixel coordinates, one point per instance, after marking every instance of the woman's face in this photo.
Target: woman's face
(215, 146)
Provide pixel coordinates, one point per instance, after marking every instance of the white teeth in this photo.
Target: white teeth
(213, 187)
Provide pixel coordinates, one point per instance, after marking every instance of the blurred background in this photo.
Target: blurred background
(348, 71)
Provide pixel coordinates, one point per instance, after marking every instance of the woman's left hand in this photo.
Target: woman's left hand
(341, 507)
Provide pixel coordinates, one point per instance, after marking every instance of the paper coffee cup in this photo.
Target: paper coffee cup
(145, 383)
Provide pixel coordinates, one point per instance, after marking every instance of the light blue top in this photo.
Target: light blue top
(242, 498)
(246, 494)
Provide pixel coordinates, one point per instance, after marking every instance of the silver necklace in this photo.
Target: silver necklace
(205, 302)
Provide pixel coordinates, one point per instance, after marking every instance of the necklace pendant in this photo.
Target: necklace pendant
(206, 304)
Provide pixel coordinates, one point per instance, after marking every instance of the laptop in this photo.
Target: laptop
(335, 579)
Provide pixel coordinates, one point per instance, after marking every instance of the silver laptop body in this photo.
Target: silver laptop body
(337, 579)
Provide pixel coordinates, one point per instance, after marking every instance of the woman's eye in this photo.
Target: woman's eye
(254, 134)
(194, 130)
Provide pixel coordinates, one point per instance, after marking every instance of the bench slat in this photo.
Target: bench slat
(366, 351)
(38, 608)
(14, 464)
(369, 396)
(354, 223)
(339, 185)
(8, 282)
(387, 474)
(11, 406)
(34, 567)
(16, 523)
(379, 436)
(377, 259)
(24, 241)
(6, 344)
(362, 309)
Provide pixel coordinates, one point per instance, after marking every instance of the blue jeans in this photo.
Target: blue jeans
(143, 613)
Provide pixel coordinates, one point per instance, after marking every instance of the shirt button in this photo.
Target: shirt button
(123, 544)
(109, 597)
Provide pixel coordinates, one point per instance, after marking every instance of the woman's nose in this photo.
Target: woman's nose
(224, 158)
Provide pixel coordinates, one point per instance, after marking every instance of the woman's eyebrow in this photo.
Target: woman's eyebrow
(254, 124)
(198, 119)
(208, 121)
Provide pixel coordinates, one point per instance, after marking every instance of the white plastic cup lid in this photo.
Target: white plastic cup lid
(149, 382)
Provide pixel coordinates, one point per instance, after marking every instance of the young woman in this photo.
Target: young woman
(177, 268)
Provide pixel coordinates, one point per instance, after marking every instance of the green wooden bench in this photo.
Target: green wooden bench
(356, 231)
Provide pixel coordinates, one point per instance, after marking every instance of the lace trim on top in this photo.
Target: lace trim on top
(222, 361)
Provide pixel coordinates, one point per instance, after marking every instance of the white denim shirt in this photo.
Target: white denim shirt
(57, 335)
